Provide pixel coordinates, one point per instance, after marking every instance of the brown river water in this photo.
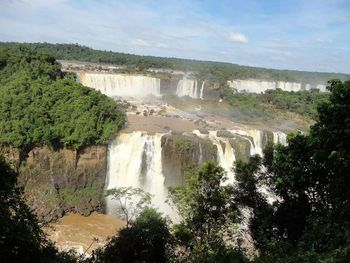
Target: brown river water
(79, 232)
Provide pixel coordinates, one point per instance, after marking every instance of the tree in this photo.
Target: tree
(146, 240)
(131, 202)
(208, 215)
(309, 220)
(59, 112)
(21, 238)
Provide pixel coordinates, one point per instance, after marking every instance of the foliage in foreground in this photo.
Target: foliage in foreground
(147, 239)
(309, 221)
(208, 221)
(208, 216)
(39, 106)
(21, 238)
(131, 202)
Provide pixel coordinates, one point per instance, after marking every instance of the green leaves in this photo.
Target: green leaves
(309, 220)
(146, 240)
(207, 211)
(131, 202)
(21, 237)
(39, 107)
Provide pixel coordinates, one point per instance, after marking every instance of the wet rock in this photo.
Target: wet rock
(203, 131)
(60, 181)
(180, 151)
(225, 134)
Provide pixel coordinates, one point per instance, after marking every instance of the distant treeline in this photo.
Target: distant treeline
(213, 71)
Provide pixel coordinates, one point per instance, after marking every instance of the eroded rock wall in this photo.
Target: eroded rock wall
(181, 151)
(59, 181)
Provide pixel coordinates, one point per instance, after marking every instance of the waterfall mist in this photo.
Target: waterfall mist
(135, 161)
(121, 85)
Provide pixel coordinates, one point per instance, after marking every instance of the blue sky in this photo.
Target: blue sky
(309, 35)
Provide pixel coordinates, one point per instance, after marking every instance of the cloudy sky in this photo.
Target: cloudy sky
(309, 35)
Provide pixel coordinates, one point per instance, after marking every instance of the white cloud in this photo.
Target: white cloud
(141, 43)
(324, 40)
(161, 45)
(189, 30)
(237, 37)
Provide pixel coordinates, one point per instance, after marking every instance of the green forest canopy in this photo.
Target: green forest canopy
(40, 106)
(248, 107)
(215, 71)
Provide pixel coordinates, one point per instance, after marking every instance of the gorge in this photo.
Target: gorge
(148, 161)
(146, 132)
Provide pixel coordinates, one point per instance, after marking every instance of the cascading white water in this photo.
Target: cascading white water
(187, 87)
(202, 90)
(135, 159)
(254, 86)
(279, 137)
(119, 85)
(288, 86)
(258, 86)
(256, 143)
(200, 157)
(194, 94)
(225, 156)
(321, 87)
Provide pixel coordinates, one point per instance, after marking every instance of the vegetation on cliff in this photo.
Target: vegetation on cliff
(303, 102)
(266, 105)
(21, 238)
(39, 105)
(309, 221)
(214, 71)
(208, 216)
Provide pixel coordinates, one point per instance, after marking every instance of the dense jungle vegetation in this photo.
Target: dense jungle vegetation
(246, 106)
(265, 105)
(307, 222)
(39, 105)
(214, 71)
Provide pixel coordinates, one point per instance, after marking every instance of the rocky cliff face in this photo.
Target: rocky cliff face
(181, 151)
(59, 181)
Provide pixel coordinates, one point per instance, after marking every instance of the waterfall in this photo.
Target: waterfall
(201, 92)
(255, 139)
(258, 86)
(254, 86)
(135, 159)
(289, 86)
(321, 87)
(194, 94)
(279, 137)
(121, 85)
(226, 156)
(200, 157)
(187, 87)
